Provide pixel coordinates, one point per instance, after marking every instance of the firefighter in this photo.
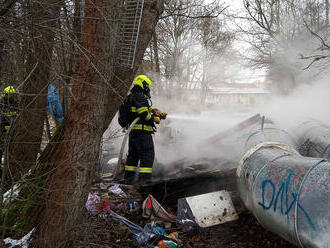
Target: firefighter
(8, 112)
(140, 144)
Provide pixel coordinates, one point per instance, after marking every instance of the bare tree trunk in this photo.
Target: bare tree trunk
(159, 88)
(77, 20)
(52, 196)
(7, 5)
(327, 12)
(124, 76)
(4, 10)
(29, 128)
(83, 128)
(2, 56)
(90, 113)
(155, 46)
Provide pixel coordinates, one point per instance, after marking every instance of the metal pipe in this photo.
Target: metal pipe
(270, 133)
(313, 139)
(262, 122)
(287, 193)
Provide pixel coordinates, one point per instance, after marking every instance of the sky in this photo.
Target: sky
(245, 75)
(233, 4)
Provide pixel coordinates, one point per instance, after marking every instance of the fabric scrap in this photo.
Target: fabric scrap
(152, 206)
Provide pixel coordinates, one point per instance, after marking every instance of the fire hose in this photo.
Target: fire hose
(119, 166)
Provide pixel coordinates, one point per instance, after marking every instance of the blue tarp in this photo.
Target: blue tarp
(54, 106)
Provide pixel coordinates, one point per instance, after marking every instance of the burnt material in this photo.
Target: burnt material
(169, 191)
(313, 139)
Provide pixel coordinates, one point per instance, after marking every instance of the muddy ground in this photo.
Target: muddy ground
(103, 231)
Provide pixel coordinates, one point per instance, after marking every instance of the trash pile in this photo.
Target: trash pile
(112, 197)
(112, 202)
(160, 226)
(23, 242)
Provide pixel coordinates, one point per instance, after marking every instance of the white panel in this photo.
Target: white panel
(212, 208)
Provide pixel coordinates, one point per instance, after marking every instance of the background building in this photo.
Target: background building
(246, 94)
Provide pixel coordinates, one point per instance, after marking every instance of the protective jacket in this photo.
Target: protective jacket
(140, 107)
(140, 145)
(8, 114)
(8, 110)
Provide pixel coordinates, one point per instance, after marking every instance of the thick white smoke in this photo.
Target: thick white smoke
(310, 101)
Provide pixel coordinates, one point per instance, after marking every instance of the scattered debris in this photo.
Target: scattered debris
(172, 240)
(170, 190)
(23, 242)
(116, 189)
(150, 235)
(152, 207)
(112, 162)
(211, 209)
(92, 201)
(240, 126)
(186, 219)
(11, 193)
(100, 230)
(133, 205)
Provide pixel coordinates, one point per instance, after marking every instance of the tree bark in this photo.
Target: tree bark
(91, 110)
(155, 47)
(51, 198)
(4, 10)
(7, 5)
(28, 131)
(77, 158)
(123, 76)
(2, 55)
(327, 12)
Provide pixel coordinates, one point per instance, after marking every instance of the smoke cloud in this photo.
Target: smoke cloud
(306, 102)
(182, 137)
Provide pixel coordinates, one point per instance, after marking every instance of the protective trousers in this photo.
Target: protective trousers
(140, 148)
(3, 133)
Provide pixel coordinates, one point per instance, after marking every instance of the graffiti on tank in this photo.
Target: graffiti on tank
(282, 200)
(274, 153)
(275, 170)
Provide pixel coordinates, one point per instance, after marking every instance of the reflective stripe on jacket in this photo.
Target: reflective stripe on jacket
(8, 114)
(143, 127)
(140, 108)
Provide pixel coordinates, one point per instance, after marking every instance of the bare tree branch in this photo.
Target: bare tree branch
(315, 59)
(317, 36)
(8, 4)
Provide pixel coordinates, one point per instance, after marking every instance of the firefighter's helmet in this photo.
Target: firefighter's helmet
(9, 89)
(142, 81)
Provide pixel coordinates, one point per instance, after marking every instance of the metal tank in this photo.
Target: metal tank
(287, 193)
(313, 139)
(267, 131)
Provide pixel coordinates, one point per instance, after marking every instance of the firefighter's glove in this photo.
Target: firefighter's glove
(162, 115)
(156, 119)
